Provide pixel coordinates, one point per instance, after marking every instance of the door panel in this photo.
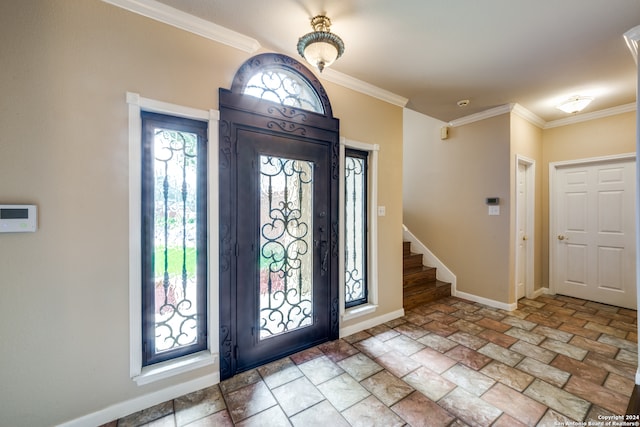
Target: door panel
(576, 264)
(271, 254)
(283, 285)
(595, 232)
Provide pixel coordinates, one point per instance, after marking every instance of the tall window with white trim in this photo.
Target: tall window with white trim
(173, 237)
(355, 227)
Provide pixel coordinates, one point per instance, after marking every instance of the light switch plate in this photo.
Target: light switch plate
(494, 210)
(382, 211)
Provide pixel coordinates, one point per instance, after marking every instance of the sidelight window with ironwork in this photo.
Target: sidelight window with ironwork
(355, 227)
(174, 237)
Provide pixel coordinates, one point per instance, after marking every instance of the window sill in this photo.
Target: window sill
(361, 310)
(160, 371)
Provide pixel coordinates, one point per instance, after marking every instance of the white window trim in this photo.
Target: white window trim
(148, 374)
(372, 279)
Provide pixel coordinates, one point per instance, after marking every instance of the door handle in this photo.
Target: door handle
(324, 255)
(562, 237)
(525, 238)
(324, 250)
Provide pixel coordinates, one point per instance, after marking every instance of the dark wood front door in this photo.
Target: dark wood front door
(283, 285)
(278, 222)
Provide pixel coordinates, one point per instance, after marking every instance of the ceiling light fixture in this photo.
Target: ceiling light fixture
(321, 47)
(575, 104)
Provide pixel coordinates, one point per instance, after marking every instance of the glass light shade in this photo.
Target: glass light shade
(320, 54)
(321, 47)
(632, 37)
(575, 104)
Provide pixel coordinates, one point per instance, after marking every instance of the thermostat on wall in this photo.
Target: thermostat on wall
(18, 218)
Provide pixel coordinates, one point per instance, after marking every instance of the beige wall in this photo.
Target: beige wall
(372, 121)
(446, 183)
(66, 66)
(595, 138)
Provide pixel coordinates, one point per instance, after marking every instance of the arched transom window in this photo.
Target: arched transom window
(285, 87)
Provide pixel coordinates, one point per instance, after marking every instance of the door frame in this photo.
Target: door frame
(239, 112)
(553, 188)
(529, 203)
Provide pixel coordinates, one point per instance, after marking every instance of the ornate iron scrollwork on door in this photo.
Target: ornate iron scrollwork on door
(286, 261)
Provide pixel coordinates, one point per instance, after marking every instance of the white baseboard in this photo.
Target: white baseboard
(136, 404)
(498, 304)
(485, 301)
(370, 323)
(540, 291)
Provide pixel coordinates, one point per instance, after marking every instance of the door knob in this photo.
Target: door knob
(562, 237)
(525, 238)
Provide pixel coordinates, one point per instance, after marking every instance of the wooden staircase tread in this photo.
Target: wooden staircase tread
(434, 284)
(411, 255)
(412, 262)
(418, 275)
(418, 295)
(411, 270)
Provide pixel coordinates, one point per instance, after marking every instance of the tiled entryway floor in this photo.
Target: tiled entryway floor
(449, 363)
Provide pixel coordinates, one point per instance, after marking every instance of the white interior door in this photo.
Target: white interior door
(594, 233)
(522, 226)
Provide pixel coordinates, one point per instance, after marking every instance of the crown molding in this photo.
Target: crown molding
(626, 108)
(537, 121)
(185, 21)
(502, 109)
(349, 82)
(482, 115)
(528, 115)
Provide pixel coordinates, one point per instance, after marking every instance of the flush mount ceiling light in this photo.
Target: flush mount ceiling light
(321, 47)
(575, 104)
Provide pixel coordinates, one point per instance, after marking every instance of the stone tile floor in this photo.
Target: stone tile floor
(554, 361)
